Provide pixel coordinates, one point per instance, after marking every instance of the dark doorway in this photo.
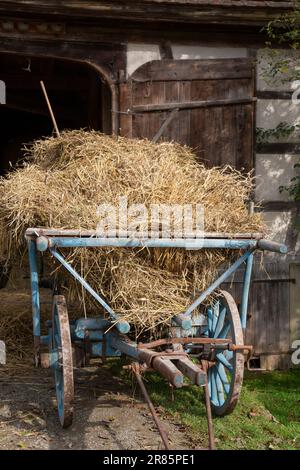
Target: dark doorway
(79, 96)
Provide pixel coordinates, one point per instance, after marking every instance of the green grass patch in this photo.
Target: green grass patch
(266, 417)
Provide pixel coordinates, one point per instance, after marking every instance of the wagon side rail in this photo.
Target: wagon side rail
(40, 240)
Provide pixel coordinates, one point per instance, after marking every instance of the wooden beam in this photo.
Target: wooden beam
(107, 58)
(50, 108)
(274, 95)
(192, 11)
(277, 206)
(165, 50)
(165, 124)
(193, 69)
(27, 81)
(275, 148)
(149, 108)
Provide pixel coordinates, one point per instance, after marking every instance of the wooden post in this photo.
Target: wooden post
(50, 108)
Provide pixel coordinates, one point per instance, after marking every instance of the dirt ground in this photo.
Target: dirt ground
(106, 414)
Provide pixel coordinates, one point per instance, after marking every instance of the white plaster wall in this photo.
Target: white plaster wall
(271, 112)
(139, 54)
(277, 225)
(207, 52)
(273, 171)
(263, 61)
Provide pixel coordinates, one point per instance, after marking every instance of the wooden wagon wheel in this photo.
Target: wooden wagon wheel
(62, 360)
(225, 377)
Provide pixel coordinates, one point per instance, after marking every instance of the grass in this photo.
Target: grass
(267, 416)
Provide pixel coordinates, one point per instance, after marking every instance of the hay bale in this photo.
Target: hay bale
(66, 178)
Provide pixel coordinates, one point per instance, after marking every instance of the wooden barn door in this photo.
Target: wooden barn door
(206, 104)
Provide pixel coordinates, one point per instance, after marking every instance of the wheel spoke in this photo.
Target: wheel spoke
(226, 375)
(228, 355)
(216, 310)
(223, 377)
(57, 339)
(220, 323)
(224, 331)
(214, 393)
(205, 331)
(208, 381)
(209, 319)
(220, 388)
(221, 358)
(56, 320)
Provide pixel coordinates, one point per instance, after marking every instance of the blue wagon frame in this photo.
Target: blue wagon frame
(220, 340)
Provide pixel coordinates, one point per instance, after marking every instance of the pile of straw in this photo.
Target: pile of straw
(66, 178)
(16, 324)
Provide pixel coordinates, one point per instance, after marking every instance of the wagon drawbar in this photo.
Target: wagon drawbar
(213, 335)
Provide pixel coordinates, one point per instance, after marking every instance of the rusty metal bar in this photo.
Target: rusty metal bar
(186, 340)
(211, 435)
(164, 437)
(242, 348)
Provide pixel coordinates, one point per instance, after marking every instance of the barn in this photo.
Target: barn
(182, 70)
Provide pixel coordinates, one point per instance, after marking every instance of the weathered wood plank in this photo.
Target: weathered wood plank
(193, 11)
(189, 104)
(215, 117)
(125, 97)
(165, 49)
(165, 124)
(185, 115)
(275, 148)
(172, 96)
(99, 55)
(275, 361)
(274, 206)
(274, 95)
(211, 69)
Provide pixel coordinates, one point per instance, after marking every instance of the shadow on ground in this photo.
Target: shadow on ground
(106, 415)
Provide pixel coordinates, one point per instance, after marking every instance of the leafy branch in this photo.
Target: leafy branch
(283, 30)
(293, 188)
(282, 130)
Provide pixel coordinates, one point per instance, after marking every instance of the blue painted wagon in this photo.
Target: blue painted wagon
(212, 334)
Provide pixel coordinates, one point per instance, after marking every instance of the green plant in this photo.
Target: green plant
(283, 129)
(285, 31)
(293, 188)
